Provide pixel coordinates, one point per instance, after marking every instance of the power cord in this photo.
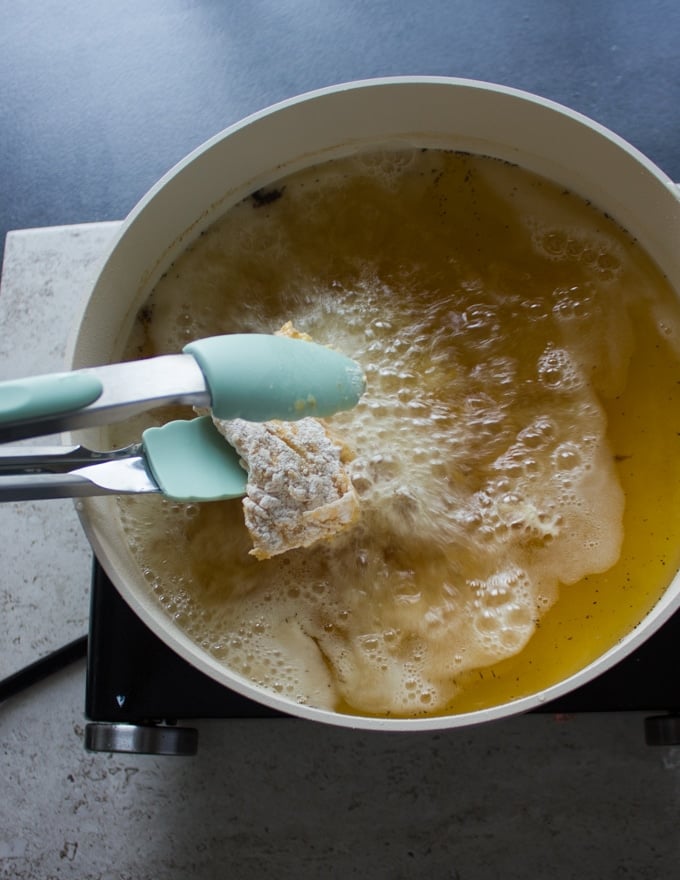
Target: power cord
(41, 669)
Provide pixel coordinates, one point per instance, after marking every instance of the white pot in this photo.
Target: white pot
(452, 113)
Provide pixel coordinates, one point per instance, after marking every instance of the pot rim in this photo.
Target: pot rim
(153, 616)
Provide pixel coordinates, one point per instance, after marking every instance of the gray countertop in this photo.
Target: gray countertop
(46, 274)
(534, 797)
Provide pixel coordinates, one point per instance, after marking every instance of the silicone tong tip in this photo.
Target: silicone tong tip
(191, 461)
(259, 377)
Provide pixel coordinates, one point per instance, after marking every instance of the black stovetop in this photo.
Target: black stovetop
(133, 677)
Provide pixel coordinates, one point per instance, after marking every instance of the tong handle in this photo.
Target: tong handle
(25, 400)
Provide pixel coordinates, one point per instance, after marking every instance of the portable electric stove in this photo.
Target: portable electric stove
(137, 688)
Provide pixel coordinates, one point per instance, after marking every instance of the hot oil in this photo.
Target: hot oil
(516, 452)
(593, 615)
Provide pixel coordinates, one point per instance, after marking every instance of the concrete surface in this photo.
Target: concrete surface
(44, 586)
(534, 797)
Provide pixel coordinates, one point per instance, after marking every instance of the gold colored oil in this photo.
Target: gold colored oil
(452, 266)
(592, 616)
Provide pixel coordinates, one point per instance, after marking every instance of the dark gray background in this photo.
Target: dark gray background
(99, 99)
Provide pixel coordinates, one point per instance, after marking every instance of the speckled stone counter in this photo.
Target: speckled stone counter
(46, 277)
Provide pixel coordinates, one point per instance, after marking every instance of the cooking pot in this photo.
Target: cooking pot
(483, 118)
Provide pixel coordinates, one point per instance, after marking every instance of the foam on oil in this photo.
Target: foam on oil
(503, 472)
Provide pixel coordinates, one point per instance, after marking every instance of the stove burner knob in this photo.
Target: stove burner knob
(662, 730)
(141, 739)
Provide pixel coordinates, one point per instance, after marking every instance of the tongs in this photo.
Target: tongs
(256, 377)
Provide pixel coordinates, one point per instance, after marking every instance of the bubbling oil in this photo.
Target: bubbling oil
(515, 452)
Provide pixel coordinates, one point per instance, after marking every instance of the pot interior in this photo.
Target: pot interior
(425, 113)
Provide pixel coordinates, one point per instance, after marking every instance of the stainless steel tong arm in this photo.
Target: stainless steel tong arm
(31, 473)
(125, 389)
